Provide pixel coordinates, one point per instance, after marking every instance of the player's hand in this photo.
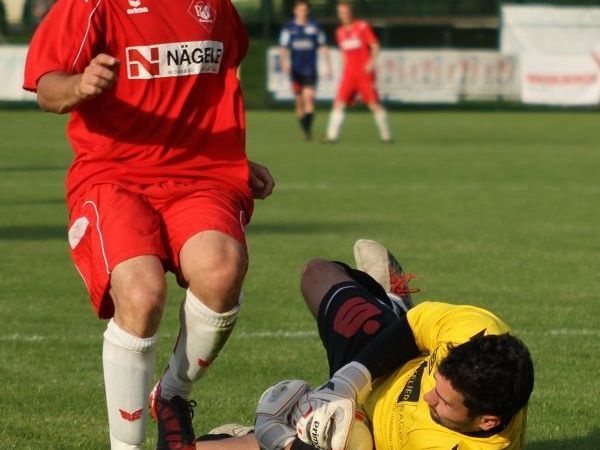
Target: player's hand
(285, 68)
(98, 76)
(370, 67)
(272, 427)
(261, 181)
(323, 417)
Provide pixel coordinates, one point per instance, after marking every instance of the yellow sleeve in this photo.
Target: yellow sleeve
(433, 323)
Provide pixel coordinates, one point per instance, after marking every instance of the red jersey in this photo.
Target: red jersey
(176, 112)
(355, 41)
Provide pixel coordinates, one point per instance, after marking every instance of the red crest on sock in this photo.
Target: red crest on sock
(204, 363)
(131, 417)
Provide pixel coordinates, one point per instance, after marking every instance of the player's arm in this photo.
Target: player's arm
(261, 180)
(284, 50)
(324, 53)
(60, 92)
(375, 51)
(284, 55)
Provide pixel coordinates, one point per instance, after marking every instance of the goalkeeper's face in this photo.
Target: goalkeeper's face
(446, 406)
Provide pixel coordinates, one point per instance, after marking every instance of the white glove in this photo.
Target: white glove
(272, 427)
(323, 417)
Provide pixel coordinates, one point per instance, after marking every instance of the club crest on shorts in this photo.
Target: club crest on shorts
(204, 13)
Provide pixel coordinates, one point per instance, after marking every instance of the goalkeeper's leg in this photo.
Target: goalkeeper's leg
(350, 307)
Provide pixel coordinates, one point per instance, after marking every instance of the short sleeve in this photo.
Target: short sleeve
(368, 34)
(67, 39)
(284, 37)
(434, 323)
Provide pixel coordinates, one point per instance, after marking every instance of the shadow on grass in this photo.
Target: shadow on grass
(589, 442)
(36, 168)
(302, 228)
(32, 232)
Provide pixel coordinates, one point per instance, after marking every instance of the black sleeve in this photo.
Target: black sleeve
(390, 349)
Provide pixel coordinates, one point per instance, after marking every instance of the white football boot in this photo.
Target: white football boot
(376, 260)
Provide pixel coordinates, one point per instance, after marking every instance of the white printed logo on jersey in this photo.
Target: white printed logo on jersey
(203, 13)
(303, 44)
(351, 44)
(177, 59)
(136, 7)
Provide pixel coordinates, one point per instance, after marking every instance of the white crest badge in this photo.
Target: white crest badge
(204, 13)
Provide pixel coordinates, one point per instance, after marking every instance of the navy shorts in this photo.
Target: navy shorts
(303, 80)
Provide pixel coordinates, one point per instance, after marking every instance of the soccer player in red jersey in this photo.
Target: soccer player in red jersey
(160, 181)
(360, 49)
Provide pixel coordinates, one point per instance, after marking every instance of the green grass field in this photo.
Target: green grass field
(496, 209)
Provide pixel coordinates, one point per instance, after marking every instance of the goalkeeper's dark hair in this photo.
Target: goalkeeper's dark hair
(493, 373)
(301, 2)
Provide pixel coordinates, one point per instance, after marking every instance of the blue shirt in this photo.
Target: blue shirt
(303, 41)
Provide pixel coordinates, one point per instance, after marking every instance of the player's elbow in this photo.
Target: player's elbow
(47, 105)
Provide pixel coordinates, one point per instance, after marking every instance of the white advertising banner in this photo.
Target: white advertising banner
(12, 64)
(552, 30)
(560, 80)
(416, 76)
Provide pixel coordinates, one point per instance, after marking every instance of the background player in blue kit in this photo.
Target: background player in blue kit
(301, 39)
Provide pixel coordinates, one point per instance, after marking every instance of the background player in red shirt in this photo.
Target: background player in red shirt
(360, 48)
(159, 181)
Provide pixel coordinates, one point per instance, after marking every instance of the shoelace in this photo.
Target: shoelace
(399, 283)
(190, 405)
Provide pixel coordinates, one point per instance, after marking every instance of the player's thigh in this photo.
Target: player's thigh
(367, 90)
(109, 225)
(346, 90)
(206, 233)
(297, 84)
(349, 318)
(317, 278)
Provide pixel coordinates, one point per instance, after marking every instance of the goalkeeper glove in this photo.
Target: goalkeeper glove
(272, 427)
(323, 417)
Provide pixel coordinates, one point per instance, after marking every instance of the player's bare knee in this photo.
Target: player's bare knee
(218, 284)
(318, 276)
(139, 307)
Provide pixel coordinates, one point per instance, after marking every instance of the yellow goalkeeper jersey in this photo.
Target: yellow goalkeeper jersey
(398, 413)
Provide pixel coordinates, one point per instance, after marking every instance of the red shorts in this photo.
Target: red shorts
(110, 224)
(352, 84)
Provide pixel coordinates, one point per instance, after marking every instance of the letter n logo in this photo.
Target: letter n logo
(143, 62)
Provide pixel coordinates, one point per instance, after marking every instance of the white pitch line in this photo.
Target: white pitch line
(562, 332)
(284, 334)
(276, 334)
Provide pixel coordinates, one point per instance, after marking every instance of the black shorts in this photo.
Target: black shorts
(350, 316)
(303, 80)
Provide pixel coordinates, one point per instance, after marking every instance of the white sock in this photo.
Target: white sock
(382, 124)
(129, 363)
(336, 119)
(203, 333)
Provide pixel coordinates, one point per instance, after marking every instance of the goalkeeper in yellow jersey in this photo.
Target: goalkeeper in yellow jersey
(435, 376)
